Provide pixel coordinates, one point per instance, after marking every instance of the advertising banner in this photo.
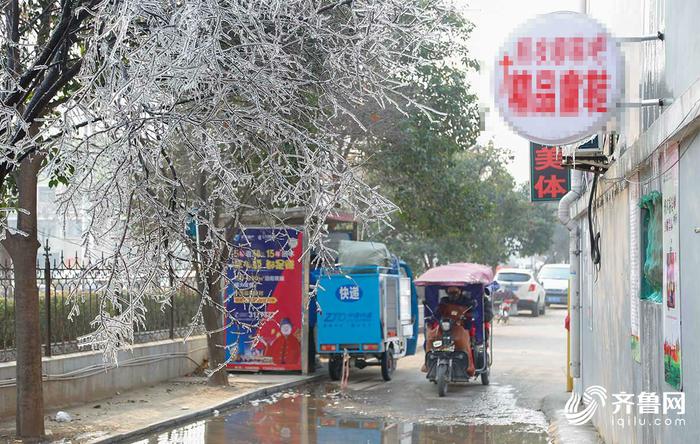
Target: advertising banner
(549, 180)
(264, 300)
(671, 273)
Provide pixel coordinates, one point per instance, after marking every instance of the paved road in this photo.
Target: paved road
(529, 364)
(530, 355)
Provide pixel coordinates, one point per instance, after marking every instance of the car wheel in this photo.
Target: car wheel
(535, 308)
(544, 309)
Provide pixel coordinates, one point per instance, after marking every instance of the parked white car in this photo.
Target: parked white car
(525, 286)
(555, 280)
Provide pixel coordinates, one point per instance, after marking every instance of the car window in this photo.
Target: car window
(554, 273)
(513, 277)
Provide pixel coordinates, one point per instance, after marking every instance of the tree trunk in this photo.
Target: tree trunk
(211, 312)
(215, 336)
(23, 251)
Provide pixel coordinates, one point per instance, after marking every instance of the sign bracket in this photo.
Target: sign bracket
(662, 101)
(643, 38)
(598, 164)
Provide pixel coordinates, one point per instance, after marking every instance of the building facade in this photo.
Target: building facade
(639, 301)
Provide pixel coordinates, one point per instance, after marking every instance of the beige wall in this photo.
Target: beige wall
(81, 377)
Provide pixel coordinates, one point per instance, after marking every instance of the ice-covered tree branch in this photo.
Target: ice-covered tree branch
(168, 113)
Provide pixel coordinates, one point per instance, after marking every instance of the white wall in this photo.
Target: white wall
(653, 70)
(690, 266)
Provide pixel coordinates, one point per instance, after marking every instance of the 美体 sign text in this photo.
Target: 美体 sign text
(549, 180)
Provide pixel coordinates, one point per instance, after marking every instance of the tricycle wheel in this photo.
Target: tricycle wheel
(485, 377)
(442, 380)
(388, 364)
(335, 367)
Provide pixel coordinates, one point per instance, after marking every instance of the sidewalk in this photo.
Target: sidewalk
(560, 431)
(130, 414)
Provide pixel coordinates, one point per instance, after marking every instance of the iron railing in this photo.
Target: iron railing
(59, 278)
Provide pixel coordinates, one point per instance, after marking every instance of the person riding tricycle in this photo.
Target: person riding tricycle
(458, 312)
(454, 313)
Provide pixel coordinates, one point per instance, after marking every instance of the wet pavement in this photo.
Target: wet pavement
(336, 417)
(407, 409)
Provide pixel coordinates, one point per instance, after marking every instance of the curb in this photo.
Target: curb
(560, 431)
(209, 411)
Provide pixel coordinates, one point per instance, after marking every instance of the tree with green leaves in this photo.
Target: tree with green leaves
(457, 200)
(467, 210)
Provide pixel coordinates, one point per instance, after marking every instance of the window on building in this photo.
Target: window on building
(652, 247)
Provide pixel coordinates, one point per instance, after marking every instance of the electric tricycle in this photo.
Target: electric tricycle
(368, 310)
(458, 314)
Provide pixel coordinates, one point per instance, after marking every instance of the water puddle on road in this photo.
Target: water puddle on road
(320, 418)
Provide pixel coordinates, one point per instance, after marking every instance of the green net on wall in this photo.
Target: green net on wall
(652, 244)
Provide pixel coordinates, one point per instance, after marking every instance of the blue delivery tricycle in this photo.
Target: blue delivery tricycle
(368, 310)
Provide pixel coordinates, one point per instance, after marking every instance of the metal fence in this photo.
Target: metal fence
(57, 279)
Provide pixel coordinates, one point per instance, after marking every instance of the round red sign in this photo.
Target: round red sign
(558, 78)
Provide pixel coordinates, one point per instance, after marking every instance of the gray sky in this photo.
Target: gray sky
(494, 20)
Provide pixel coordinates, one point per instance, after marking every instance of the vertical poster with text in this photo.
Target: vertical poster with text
(671, 268)
(549, 180)
(635, 265)
(264, 300)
